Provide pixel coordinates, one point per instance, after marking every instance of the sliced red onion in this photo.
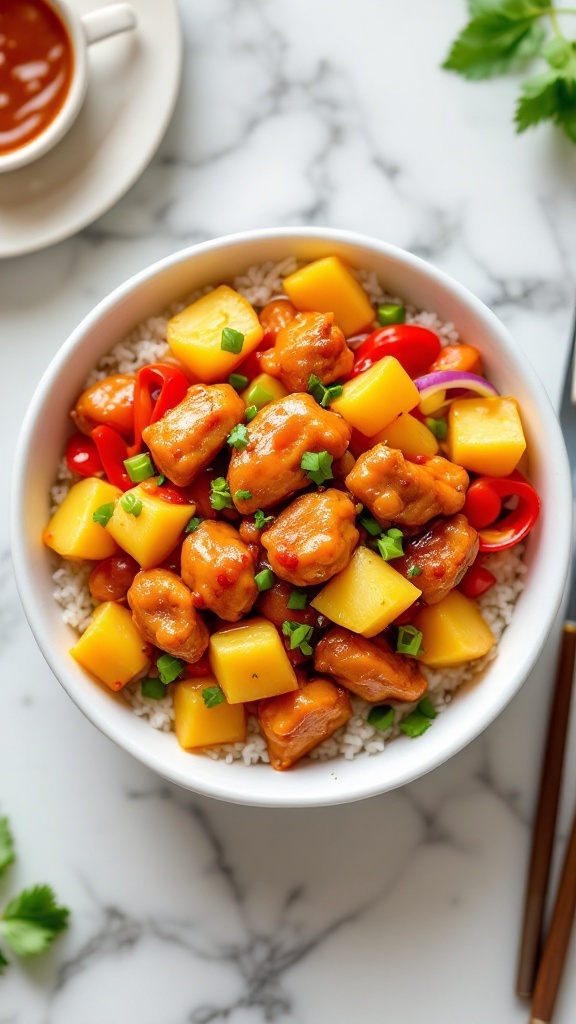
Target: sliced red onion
(438, 383)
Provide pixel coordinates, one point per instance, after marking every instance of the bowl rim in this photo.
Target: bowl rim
(367, 784)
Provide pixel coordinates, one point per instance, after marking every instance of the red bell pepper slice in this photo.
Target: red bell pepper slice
(159, 387)
(512, 527)
(413, 346)
(476, 581)
(483, 505)
(112, 449)
(82, 456)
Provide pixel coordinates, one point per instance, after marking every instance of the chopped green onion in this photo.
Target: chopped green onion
(103, 513)
(426, 707)
(242, 495)
(299, 635)
(238, 437)
(139, 467)
(409, 641)
(169, 668)
(370, 524)
(220, 496)
(193, 524)
(415, 724)
(318, 466)
(232, 340)
(154, 689)
(391, 313)
(161, 480)
(130, 504)
(298, 600)
(260, 519)
(390, 545)
(323, 393)
(438, 427)
(251, 412)
(264, 579)
(212, 696)
(238, 381)
(381, 717)
(414, 570)
(258, 396)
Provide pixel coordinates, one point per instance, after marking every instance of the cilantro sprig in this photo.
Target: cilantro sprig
(506, 35)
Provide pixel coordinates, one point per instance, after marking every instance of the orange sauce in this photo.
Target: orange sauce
(36, 66)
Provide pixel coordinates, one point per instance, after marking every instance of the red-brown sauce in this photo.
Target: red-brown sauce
(36, 66)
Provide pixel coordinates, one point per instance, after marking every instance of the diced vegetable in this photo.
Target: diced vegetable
(153, 534)
(408, 434)
(72, 531)
(263, 390)
(515, 525)
(486, 435)
(328, 286)
(372, 400)
(465, 358)
(111, 647)
(195, 334)
(414, 347)
(198, 725)
(367, 595)
(250, 662)
(433, 388)
(82, 456)
(453, 631)
(477, 580)
(391, 313)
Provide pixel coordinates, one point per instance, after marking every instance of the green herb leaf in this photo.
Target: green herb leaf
(242, 495)
(153, 689)
(131, 505)
(169, 668)
(220, 496)
(232, 341)
(3, 962)
(426, 707)
(390, 544)
(103, 513)
(298, 600)
(7, 854)
(139, 467)
(251, 411)
(260, 519)
(550, 96)
(161, 480)
(370, 524)
(414, 570)
(391, 313)
(238, 381)
(212, 696)
(32, 920)
(264, 579)
(299, 636)
(381, 717)
(323, 393)
(409, 641)
(500, 37)
(439, 427)
(415, 724)
(238, 437)
(193, 524)
(318, 466)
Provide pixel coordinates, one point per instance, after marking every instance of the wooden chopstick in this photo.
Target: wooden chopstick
(545, 820)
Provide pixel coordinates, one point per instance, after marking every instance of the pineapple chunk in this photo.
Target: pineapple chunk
(453, 631)
(72, 531)
(250, 662)
(373, 399)
(409, 435)
(199, 726)
(195, 334)
(367, 595)
(111, 647)
(328, 286)
(151, 536)
(485, 435)
(263, 390)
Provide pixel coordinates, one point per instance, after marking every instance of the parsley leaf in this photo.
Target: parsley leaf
(3, 962)
(212, 696)
(220, 496)
(499, 37)
(550, 96)
(7, 855)
(318, 465)
(260, 519)
(32, 920)
(238, 437)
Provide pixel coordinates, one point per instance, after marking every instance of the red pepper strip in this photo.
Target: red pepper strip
(112, 449)
(477, 581)
(414, 347)
(82, 456)
(515, 524)
(172, 385)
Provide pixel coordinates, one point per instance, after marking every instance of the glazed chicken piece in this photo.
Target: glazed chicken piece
(273, 604)
(406, 493)
(274, 316)
(218, 567)
(110, 402)
(187, 438)
(111, 578)
(442, 554)
(269, 467)
(312, 539)
(293, 723)
(164, 614)
(310, 343)
(369, 668)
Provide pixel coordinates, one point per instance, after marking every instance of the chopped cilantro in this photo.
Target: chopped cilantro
(323, 393)
(169, 668)
(318, 466)
(260, 519)
(32, 920)
(299, 636)
(212, 696)
(220, 496)
(153, 689)
(103, 513)
(238, 437)
(232, 341)
(193, 524)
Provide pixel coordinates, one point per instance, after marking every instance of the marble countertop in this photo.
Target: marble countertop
(406, 907)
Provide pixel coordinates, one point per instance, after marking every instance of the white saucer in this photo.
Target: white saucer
(134, 81)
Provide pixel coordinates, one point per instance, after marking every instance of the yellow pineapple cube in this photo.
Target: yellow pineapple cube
(373, 399)
(263, 390)
(154, 533)
(486, 435)
(329, 286)
(72, 531)
(111, 647)
(195, 334)
(409, 435)
(453, 631)
(367, 595)
(250, 662)
(197, 725)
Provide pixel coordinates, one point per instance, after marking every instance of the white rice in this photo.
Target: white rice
(147, 344)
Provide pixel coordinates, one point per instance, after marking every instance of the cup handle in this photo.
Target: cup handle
(108, 21)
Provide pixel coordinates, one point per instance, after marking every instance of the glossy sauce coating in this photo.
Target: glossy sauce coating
(36, 65)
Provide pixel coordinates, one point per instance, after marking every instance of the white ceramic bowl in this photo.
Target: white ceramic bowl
(42, 441)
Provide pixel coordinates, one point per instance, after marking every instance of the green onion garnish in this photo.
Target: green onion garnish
(299, 635)
(318, 466)
(103, 513)
(212, 696)
(139, 467)
(238, 437)
(258, 396)
(414, 570)
(381, 717)
(238, 381)
(370, 524)
(161, 480)
(323, 393)
(415, 724)
(232, 340)
(260, 519)
(154, 689)
(130, 504)
(438, 427)
(242, 495)
(427, 708)
(220, 496)
(169, 668)
(298, 600)
(390, 544)
(193, 524)
(264, 579)
(391, 313)
(409, 641)
(251, 412)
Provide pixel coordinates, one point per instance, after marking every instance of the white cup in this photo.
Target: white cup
(82, 32)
